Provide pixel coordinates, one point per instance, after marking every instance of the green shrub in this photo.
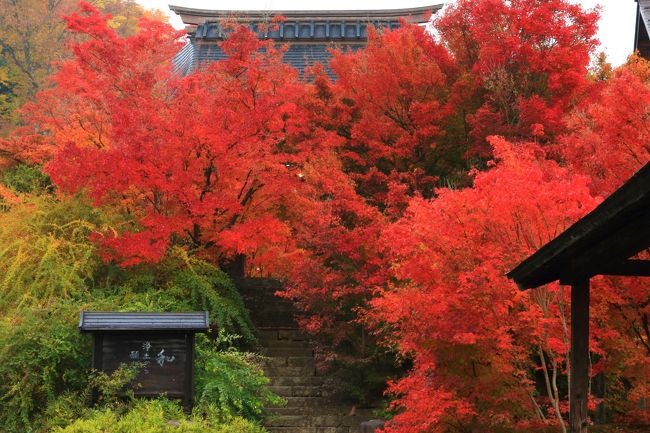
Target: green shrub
(71, 406)
(42, 356)
(154, 416)
(46, 254)
(45, 380)
(230, 383)
(24, 178)
(49, 272)
(211, 289)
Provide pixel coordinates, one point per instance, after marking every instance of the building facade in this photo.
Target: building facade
(309, 34)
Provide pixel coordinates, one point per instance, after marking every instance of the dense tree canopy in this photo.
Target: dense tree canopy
(391, 202)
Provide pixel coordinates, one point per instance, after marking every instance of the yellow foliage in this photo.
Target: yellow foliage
(45, 251)
(4, 75)
(117, 21)
(33, 38)
(638, 66)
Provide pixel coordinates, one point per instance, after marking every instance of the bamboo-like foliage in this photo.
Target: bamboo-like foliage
(45, 251)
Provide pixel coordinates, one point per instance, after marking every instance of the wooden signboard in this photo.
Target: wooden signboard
(161, 344)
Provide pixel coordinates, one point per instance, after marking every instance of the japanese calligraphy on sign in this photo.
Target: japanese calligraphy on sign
(160, 358)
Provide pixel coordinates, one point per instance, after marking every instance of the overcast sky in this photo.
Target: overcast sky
(616, 31)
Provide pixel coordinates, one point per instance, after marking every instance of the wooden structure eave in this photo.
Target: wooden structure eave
(194, 16)
(598, 244)
(309, 35)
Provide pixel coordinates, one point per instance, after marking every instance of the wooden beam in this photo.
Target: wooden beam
(628, 268)
(579, 377)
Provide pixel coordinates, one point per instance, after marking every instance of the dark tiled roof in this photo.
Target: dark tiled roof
(105, 321)
(302, 56)
(299, 55)
(183, 62)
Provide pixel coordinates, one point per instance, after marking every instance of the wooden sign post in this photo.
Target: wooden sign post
(161, 343)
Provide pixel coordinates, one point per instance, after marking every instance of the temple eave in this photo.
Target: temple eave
(192, 16)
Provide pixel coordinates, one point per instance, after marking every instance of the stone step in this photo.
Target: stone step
(324, 409)
(290, 361)
(273, 319)
(286, 371)
(282, 333)
(284, 343)
(311, 430)
(292, 334)
(287, 352)
(311, 421)
(267, 311)
(296, 381)
(272, 338)
(310, 402)
(301, 361)
(264, 299)
(268, 306)
(290, 365)
(296, 391)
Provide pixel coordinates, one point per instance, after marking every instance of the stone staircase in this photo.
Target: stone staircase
(311, 405)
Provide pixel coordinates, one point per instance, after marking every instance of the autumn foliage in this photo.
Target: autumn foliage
(392, 201)
(471, 329)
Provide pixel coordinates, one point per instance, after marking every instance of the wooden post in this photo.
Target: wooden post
(188, 399)
(97, 363)
(579, 388)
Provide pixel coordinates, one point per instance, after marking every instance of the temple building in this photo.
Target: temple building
(309, 33)
(641, 39)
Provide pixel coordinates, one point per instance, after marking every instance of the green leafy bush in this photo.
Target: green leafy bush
(230, 383)
(45, 379)
(42, 356)
(24, 178)
(154, 416)
(211, 289)
(73, 405)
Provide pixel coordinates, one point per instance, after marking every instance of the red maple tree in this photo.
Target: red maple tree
(332, 187)
(212, 161)
(523, 64)
(470, 331)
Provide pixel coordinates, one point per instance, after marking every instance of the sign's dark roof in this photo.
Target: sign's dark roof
(110, 321)
(616, 230)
